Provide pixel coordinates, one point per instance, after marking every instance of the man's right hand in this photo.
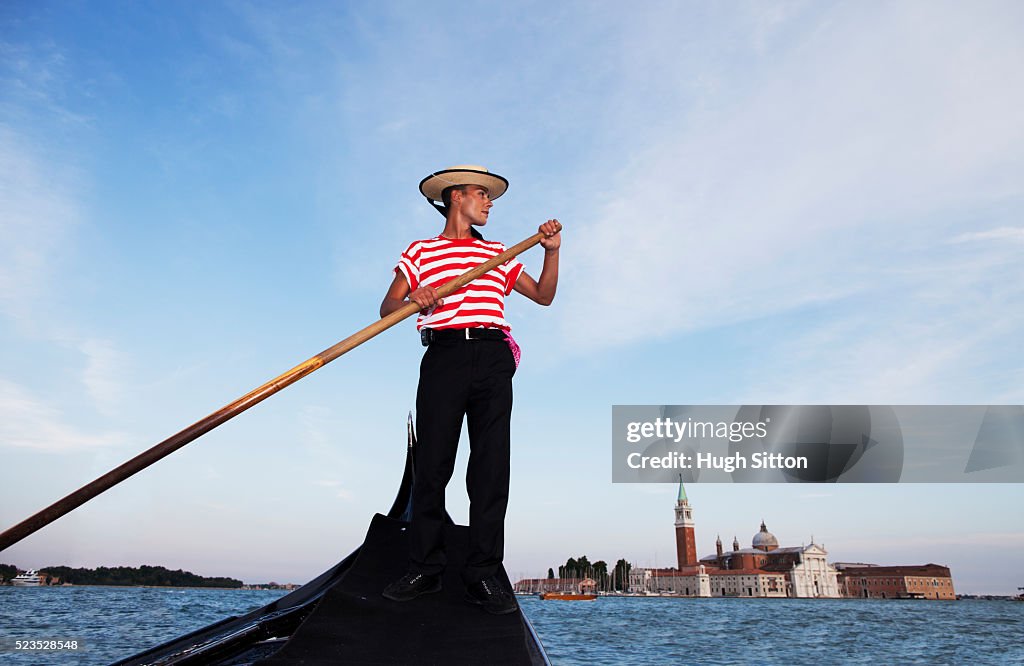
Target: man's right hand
(426, 298)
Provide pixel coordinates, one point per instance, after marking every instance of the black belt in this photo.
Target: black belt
(430, 335)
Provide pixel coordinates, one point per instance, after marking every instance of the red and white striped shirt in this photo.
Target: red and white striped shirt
(481, 303)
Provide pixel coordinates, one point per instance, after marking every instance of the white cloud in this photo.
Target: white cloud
(39, 215)
(1013, 234)
(41, 212)
(102, 374)
(332, 484)
(37, 212)
(317, 427)
(806, 176)
(39, 183)
(35, 78)
(28, 422)
(981, 540)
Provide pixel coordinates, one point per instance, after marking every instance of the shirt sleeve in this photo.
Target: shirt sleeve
(408, 267)
(513, 268)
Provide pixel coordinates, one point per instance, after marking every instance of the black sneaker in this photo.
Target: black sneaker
(490, 594)
(412, 585)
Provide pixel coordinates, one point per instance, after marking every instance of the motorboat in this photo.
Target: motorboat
(27, 579)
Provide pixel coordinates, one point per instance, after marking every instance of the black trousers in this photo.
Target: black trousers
(471, 378)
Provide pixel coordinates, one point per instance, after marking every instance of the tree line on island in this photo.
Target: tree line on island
(616, 580)
(144, 576)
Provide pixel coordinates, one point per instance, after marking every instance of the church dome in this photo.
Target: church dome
(765, 540)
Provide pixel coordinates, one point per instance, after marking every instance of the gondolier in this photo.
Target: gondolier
(466, 371)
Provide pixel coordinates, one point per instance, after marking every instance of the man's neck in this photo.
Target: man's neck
(457, 227)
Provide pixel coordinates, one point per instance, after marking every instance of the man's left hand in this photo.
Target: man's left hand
(552, 235)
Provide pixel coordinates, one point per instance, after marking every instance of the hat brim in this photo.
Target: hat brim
(432, 186)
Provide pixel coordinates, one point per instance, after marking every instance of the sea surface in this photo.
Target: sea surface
(113, 623)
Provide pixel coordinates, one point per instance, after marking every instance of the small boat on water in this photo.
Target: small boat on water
(567, 596)
(340, 617)
(27, 579)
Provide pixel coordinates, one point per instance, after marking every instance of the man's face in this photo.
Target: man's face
(474, 203)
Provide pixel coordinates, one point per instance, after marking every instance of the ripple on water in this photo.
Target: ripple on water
(792, 631)
(119, 622)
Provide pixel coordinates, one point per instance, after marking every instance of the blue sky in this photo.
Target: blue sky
(764, 203)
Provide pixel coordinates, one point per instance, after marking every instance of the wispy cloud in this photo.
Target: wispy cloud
(331, 484)
(808, 177)
(943, 340)
(317, 428)
(803, 179)
(1014, 234)
(28, 422)
(39, 184)
(103, 374)
(37, 213)
(994, 540)
(34, 77)
(41, 216)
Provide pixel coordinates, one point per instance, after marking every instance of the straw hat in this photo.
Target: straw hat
(462, 174)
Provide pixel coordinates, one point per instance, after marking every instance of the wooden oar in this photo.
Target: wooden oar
(231, 410)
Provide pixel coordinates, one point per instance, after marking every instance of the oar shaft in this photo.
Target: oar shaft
(233, 409)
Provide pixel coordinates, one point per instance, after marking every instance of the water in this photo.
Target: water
(118, 622)
(113, 622)
(661, 630)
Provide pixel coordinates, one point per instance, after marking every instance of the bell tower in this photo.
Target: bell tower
(686, 542)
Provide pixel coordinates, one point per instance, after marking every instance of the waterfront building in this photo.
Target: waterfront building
(640, 580)
(748, 583)
(693, 582)
(539, 585)
(704, 581)
(763, 570)
(768, 570)
(927, 581)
